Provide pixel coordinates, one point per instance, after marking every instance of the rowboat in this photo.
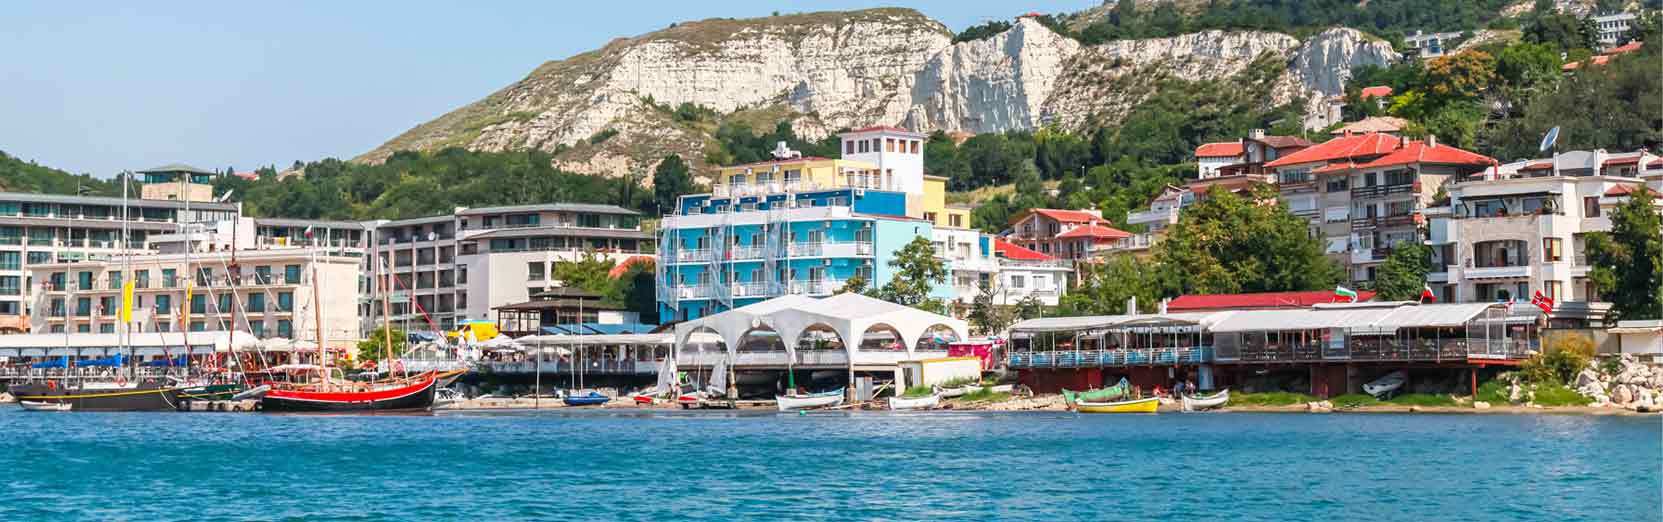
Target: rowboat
(1111, 393)
(957, 391)
(1148, 405)
(811, 401)
(1208, 402)
(44, 406)
(589, 399)
(914, 403)
(1385, 385)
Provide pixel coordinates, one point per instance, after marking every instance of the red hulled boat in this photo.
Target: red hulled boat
(414, 394)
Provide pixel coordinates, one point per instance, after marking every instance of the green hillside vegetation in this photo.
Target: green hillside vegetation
(1387, 18)
(17, 175)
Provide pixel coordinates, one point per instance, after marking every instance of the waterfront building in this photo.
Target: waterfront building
(464, 264)
(1429, 45)
(1522, 227)
(1613, 27)
(795, 225)
(1255, 301)
(1235, 166)
(1072, 235)
(1245, 156)
(1364, 193)
(1024, 273)
(195, 281)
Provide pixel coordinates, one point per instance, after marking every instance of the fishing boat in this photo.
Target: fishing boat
(44, 406)
(147, 395)
(1111, 393)
(1383, 386)
(412, 395)
(1148, 405)
(1205, 403)
(588, 399)
(914, 403)
(798, 402)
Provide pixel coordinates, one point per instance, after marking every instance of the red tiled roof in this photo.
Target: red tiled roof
(1624, 190)
(1219, 150)
(1283, 142)
(1600, 60)
(1186, 303)
(1623, 161)
(888, 128)
(1625, 48)
(1540, 165)
(1334, 167)
(248, 175)
(1372, 124)
(1344, 147)
(1094, 231)
(1017, 252)
(1655, 164)
(1066, 216)
(1418, 152)
(1570, 66)
(1378, 90)
(619, 269)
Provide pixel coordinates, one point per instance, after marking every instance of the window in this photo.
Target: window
(164, 304)
(863, 146)
(83, 328)
(83, 280)
(956, 220)
(914, 146)
(291, 274)
(11, 260)
(258, 328)
(115, 280)
(1018, 281)
(83, 307)
(199, 326)
(1552, 249)
(9, 307)
(170, 278)
(285, 328)
(1400, 177)
(736, 179)
(849, 147)
(57, 328)
(1338, 184)
(1590, 207)
(106, 328)
(534, 271)
(11, 285)
(462, 275)
(929, 216)
(889, 144)
(225, 305)
(285, 301)
(36, 258)
(57, 307)
(141, 279)
(1553, 289)
(106, 305)
(199, 304)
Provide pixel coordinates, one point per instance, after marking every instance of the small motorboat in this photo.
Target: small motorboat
(1148, 405)
(798, 402)
(44, 406)
(1205, 403)
(588, 399)
(914, 403)
(1384, 386)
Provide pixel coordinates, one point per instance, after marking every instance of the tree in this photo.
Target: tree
(1628, 261)
(917, 271)
(853, 285)
(374, 348)
(670, 180)
(1104, 288)
(1227, 243)
(589, 273)
(986, 316)
(1403, 275)
(635, 290)
(1460, 76)
(1564, 31)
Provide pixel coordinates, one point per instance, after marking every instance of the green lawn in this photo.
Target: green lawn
(1270, 399)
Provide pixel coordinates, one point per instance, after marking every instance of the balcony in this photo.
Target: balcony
(756, 189)
(746, 252)
(1365, 223)
(816, 288)
(1497, 272)
(1167, 215)
(750, 289)
(701, 255)
(830, 249)
(1380, 191)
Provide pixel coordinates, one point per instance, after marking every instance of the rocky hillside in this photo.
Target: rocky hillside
(608, 111)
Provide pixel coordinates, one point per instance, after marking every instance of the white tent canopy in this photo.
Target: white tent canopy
(850, 315)
(140, 343)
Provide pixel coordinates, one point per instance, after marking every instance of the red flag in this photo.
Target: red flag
(1543, 302)
(1427, 295)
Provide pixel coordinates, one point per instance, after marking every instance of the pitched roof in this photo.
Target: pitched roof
(1094, 231)
(1219, 150)
(1283, 142)
(1419, 152)
(1066, 216)
(1013, 251)
(1343, 147)
(1625, 189)
(1377, 90)
(1258, 300)
(1655, 164)
(1334, 167)
(1625, 48)
(619, 269)
(1623, 160)
(1372, 124)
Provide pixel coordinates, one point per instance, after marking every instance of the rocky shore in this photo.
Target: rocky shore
(1633, 385)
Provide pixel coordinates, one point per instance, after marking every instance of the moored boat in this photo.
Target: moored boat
(914, 403)
(588, 399)
(117, 396)
(1148, 405)
(1204, 403)
(1384, 386)
(415, 394)
(44, 406)
(797, 402)
(1112, 393)
(1003, 388)
(956, 391)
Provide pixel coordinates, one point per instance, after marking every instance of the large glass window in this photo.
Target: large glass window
(291, 274)
(199, 304)
(285, 328)
(285, 301)
(11, 260)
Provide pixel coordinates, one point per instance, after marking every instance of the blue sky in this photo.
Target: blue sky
(100, 87)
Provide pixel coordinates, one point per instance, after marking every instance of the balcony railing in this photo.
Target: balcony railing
(1168, 215)
(818, 287)
(1101, 358)
(1363, 223)
(1495, 272)
(1378, 191)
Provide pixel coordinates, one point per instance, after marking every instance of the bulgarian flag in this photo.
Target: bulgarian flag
(1346, 294)
(1427, 295)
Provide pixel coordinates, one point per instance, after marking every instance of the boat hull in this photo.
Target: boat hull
(44, 406)
(586, 400)
(139, 398)
(1208, 402)
(809, 402)
(211, 392)
(415, 397)
(1149, 405)
(914, 403)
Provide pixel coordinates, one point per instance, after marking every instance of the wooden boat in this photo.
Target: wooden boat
(416, 394)
(957, 391)
(1386, 385)
(914, 403)
(588, 399)
(1208, 402)
(139, 396)
(44, 406)
(1148, 405)
(1112, 393)
(811, 401)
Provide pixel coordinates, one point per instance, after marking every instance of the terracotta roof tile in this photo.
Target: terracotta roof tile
(1283, 142)
(1094, 231)
(1378, 90)
(1223, 149)
(1067, 216)
(1259, 300)
(1016, 252)
(1345, 147)
(1418, 152)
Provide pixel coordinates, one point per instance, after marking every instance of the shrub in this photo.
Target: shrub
(1352, 400)
(918, 391)
(1493, 392)
(602, 136)
(1270, 398)
(1558, 395)
(1422, 399)
(1562, 357)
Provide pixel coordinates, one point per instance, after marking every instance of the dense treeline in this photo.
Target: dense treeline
(17, 175)
(413, 184)
(1387, 18)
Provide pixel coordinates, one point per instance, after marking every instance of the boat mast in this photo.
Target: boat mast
(126, 271)
(317, 319)
(386, 311)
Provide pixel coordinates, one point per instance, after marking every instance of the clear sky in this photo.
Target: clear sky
(103, 86)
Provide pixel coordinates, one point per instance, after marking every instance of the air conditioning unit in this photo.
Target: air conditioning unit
(859, 192)
(826, 262)
(739, 291)
(791, 203)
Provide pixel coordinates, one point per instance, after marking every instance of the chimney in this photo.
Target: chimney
(1257, 134)
(1431, 141)
(1132, 305)
(1160, 307)
(1402, 141)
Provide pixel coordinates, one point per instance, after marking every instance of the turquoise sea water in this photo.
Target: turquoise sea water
(611, 465)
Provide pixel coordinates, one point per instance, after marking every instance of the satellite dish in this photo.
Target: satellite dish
(225, 196)
(1549, 139)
